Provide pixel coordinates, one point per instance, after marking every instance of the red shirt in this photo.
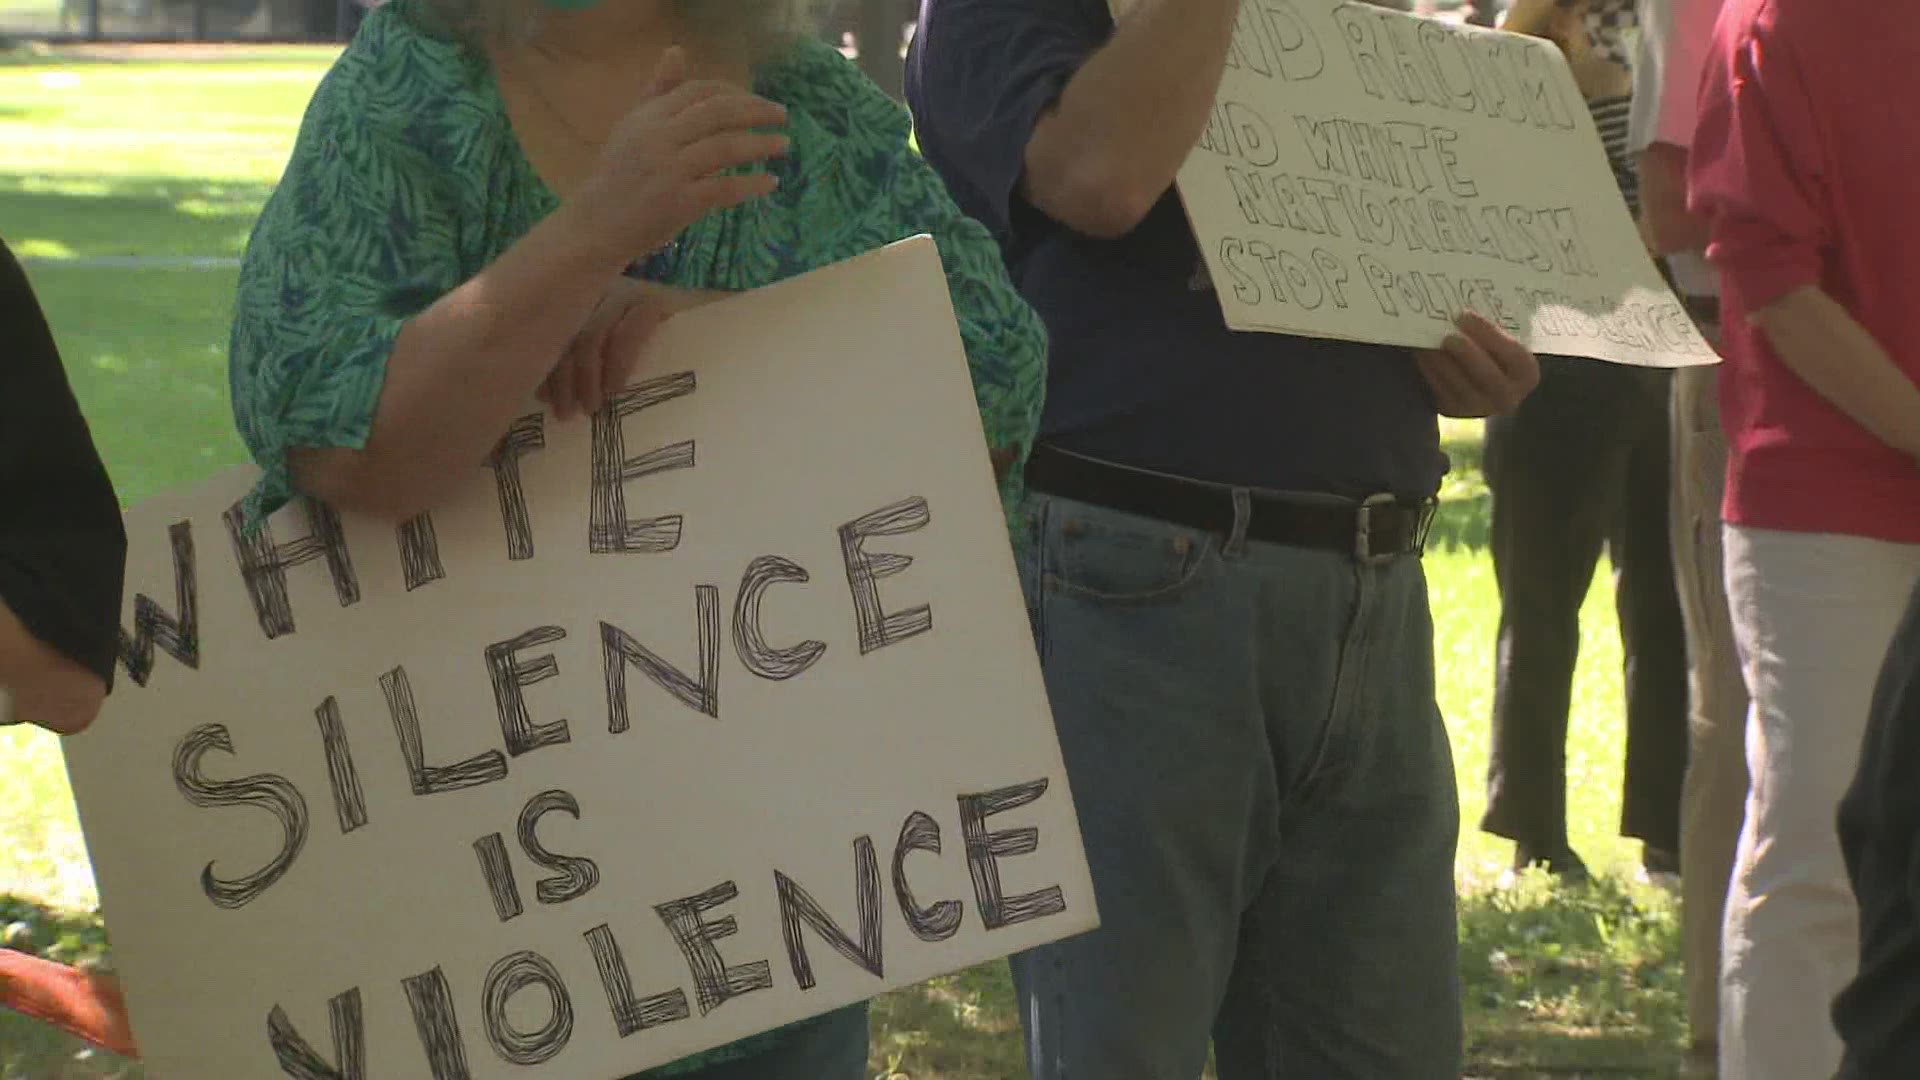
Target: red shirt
(1807, 160)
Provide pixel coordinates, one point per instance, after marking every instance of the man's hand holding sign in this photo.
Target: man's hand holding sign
(1372, 175)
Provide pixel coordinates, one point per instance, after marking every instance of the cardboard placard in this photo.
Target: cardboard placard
(1368, 174)
(714, 713)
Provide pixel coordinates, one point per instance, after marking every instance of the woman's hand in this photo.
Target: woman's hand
(1480, 371)
(661, 168)
(602, 357)
(48, 689)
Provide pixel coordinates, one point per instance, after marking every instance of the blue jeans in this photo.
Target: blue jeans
(1266, 792)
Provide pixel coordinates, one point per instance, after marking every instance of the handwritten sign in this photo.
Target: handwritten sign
(1367, 174)
(711, 714)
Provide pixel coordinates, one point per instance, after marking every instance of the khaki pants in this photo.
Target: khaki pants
(1715, 792)
(1813, 614)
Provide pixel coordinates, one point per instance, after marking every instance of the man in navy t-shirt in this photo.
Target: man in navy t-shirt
(1224, 579)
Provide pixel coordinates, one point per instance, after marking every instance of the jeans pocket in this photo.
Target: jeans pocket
(1116, 558)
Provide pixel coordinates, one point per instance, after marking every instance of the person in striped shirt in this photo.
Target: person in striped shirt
(1581, 466)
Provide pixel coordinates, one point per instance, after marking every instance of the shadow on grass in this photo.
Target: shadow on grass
(1556, 983)
(1580, 981)
(64, 216)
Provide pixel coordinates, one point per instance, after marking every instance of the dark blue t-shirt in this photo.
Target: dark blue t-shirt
(1143, 369)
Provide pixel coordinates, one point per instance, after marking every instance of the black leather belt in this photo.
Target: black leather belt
(1381, 528)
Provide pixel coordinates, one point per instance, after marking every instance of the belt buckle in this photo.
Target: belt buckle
(1363, 532)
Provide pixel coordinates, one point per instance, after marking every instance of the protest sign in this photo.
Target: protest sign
(710, 714)
(1367, 174)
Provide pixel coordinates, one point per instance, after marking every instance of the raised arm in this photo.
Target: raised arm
(1035, 101)
(1110, 147)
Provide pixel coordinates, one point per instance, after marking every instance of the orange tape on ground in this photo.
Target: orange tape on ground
(82, 1004)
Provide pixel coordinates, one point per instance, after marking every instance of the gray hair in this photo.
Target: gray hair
(754, 28)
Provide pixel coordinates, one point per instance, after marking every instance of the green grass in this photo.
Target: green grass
(150, 158)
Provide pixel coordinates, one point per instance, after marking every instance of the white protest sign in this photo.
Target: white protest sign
(1368, 174)
(712, 714)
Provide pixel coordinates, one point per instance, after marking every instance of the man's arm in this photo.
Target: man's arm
(1820, 342)
(1674, 35)
(47, 688)
(1109, 148)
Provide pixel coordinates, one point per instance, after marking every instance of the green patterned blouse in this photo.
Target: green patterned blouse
(406, 180)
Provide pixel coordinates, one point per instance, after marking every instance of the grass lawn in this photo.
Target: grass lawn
(172, 159)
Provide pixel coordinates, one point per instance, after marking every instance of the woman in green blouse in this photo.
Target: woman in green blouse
(492, 199)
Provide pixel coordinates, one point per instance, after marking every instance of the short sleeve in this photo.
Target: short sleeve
(1757, 168)
(62, 545)
(359, 237)
(979, 75)
(1005, 340)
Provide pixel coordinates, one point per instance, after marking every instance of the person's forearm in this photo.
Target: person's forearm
(464, 368)
(48, 689)
(1663, 202)
(1820, 342)
(1110, 148)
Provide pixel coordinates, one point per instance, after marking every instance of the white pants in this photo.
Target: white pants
(1813, 615)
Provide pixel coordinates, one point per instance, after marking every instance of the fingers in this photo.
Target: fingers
(1451, 395)
(588, 389)
(720, 192)
(1517, 363)
(626, 341)
(669, 73)
(718, 153)
(1474, 367)
(728, 111)
(1479, 371)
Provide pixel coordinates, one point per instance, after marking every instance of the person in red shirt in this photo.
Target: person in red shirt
(1807, 146)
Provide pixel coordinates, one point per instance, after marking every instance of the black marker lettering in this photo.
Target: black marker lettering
(481, 768)
(274, 794)
(619, 649)
(177, 635)
(714, 982)
(264, 564)
(750, 640)
(577, 876)
(512, 974)
(439, 1029)
(526, 435)
(511, 676)
(941, 921)
(420, 553)
(298, 1059)
(985, 849)
(349, 803)
(609, 530)
(497, 869)
(864, 572)
(630, 1016)
(798, 908)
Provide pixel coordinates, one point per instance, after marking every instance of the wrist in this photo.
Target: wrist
(581, 239)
